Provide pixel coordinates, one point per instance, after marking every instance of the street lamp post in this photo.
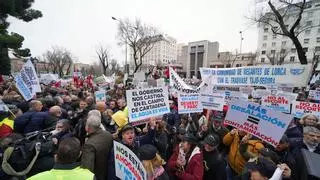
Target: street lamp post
(126, 66)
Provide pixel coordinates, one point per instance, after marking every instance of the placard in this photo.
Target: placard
(234, 95)
(146, 103)
(210, 99)
(279, 103)
(260, 75)
(265, 123)
(127, 164)
(100, 96)
(314, 94)
(300, 108)
(189, 103)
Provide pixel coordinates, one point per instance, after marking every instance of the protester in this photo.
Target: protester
(7, 123)
(242, 148)
(66, 166)
(96, 149)
(62, 131)
(161, 140)
(214, 163)
(186, 160)
(152, 162)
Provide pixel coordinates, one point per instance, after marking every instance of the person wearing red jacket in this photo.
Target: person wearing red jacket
(186, 161)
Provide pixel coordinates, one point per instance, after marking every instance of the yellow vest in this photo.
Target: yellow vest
(60, 174)
(8, 122)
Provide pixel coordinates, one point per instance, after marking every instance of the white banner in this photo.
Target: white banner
(23, 88)
(211, 99)
(177, 84)
(314, 94)
(279, 103)
(127, 164)
(189, 103)
(235, 95)
(260, 75)
(100, 96)
(299, 108)
(267, 124)
(146, 103)
(29, 76)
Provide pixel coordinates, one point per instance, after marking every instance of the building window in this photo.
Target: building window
(283, 43)
(263, 52)
(282, 51)
(317, 48)
(274, 36)
(238, 65)
(265, 37)
(263, 60)
(265, 30)
(319, 30)
(273, 44)
(305, 49)
(293, 50)
(292, 59)
(264, 45)
(273, 51)
(306, 41)
(309, 23)
(318, 39)
(228, 65)
(307, 32)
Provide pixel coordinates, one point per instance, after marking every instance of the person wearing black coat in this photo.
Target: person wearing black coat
(214, 163)
(161, 139)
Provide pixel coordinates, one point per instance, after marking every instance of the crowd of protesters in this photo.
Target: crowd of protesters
(79, 142)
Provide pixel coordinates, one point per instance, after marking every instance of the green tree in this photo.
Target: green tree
(20, 9)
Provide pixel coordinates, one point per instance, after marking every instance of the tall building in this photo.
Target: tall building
(277, 49)
(197, 54)
(163, 53)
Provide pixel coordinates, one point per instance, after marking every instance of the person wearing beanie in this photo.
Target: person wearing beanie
(186, 162)
(152, 162)
(214, 163)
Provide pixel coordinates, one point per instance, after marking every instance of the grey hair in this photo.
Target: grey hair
(307, 115)
(93, 122)
(94, 113)
(310, 129)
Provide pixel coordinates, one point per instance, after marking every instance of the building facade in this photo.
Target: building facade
(195, 55)
(163, 53)
(277, 49)
(228, 59)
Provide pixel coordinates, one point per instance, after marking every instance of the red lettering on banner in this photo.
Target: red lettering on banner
(309, 107)
(276, 100)
(254, 131)
(190, 104)
(129, 166)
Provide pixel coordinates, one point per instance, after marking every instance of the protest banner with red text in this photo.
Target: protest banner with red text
(189, 103)
(299, 108)
(279, 103)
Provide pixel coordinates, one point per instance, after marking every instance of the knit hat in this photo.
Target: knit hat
(147, 152)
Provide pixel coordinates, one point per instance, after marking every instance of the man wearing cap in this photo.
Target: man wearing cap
(186, 161)
(214, 164)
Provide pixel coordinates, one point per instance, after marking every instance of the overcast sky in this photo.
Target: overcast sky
(80, 25)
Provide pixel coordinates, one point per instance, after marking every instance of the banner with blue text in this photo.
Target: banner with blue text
(267, 124)
(146, 103)
(259, 75)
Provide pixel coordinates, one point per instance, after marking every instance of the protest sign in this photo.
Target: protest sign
(259, 75)
(259, 93)
(314, 94)
(246, 90)
(30, 78)
(211, 99)
(265, 123)
(300, 108)
(279, 103)
(3, 106)
(189, 103)
(127, 164)
(177, 84)
(234, 95)
(48, 78)
(146, 103)
(23, 88)
(100, 96)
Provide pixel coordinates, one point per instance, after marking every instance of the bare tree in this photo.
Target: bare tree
(277, 58)
(276, 18)
(104, 56)
(59, 60)
(115, 67)
(139, 37)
